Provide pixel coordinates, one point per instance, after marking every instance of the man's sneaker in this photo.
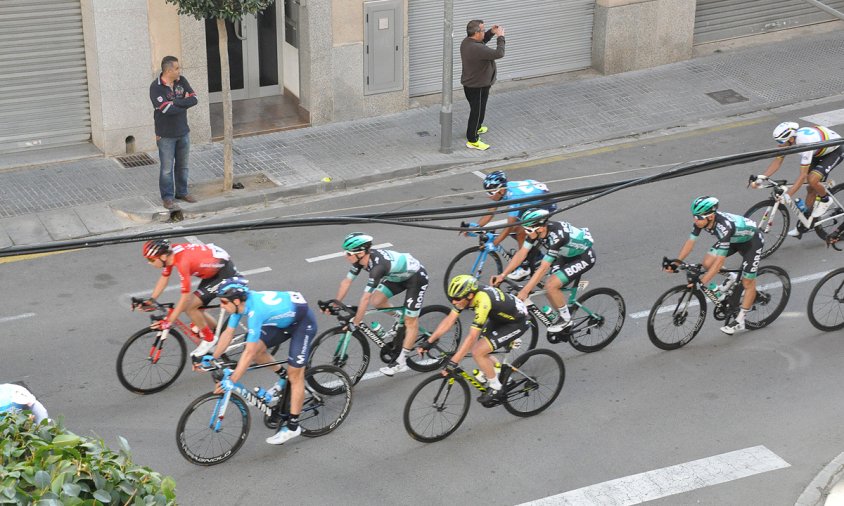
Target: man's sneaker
(560, 326)
(204, 348)
(821, 207)
(284, 435)
(477, 145)
(483, 130)
(393, 368)
(732, 327)
(519, 274)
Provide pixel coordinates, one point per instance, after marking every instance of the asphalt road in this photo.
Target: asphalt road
(625, 410)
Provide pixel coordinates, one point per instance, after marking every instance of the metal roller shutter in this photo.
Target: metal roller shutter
(727, 19)
(43, 81)
(543, 37)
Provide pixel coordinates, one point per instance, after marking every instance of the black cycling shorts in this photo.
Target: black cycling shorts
(415, 287)
(569, 269)
(301, 334)
(500, 335)
(751, 253)
(207, 289)
(823, 166)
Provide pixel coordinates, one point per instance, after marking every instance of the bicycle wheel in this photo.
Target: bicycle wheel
(826, 228)
(469, 261)
(140, 372)
(774, 228)
(203, 444)
(322, 412)
(826, 302)
(773, 288)
(353, 360)
(436, 408)
(676, 317)
(429, 319)
(593, 332)
(532, 382)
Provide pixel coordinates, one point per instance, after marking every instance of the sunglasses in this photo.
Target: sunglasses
(699, 217)
(152, 260)
(532, 230)
(493, 193)
(351, 253)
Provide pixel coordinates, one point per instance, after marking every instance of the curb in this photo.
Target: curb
(818, 490)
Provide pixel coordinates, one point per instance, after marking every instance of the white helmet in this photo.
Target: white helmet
(785, 130)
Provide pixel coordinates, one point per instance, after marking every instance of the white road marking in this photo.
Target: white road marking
(16, 317)
(668, 481)
(829, 118)
(342, 253)
(794, 281)
(479, 174)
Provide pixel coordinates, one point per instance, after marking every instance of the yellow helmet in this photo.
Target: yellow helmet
(461, 286)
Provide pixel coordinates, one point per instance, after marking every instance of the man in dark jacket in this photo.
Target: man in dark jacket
(479, 75)
(171, 97)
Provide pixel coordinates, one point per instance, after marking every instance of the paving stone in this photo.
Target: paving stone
(63, 225)
(26, 229)
(99, 219)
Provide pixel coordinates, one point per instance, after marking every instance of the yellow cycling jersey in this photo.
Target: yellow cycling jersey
(490, 303)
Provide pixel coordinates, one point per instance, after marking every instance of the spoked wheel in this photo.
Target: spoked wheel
(773, 227)
(332, 348)
(824, 229)
(429, 319)
(436, 408)
(773, 288)
(206, 440)
(598, 322)
(144, 368)
(533, 382)
(325, 409)
(826, 303)
(468, 261)
(676, 317)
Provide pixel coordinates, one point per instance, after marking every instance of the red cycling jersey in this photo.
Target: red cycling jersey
(200, 260)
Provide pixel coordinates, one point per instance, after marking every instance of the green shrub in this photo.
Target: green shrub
(46, 465)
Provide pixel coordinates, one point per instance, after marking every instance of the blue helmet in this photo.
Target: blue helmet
(495, 180)
(233, 288)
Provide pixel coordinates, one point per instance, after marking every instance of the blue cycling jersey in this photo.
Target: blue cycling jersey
(276, 309)
(521, 189)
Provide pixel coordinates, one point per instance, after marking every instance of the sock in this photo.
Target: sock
(564, 313)
(402, 358)
(741, 315)
(293, 422)
(207, 334)
(494, 384)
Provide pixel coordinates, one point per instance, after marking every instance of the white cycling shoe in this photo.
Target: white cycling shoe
(732, 327)
(821, 208)
(284, 435)
(205, 348)
(519, 274)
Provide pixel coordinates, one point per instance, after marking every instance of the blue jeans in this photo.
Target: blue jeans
(173, 153)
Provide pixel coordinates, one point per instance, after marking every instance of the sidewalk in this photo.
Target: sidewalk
(62, 201)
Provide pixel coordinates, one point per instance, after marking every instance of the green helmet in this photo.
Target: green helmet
(705, 205)
(535, 217)
(357, 241)
(461, 286)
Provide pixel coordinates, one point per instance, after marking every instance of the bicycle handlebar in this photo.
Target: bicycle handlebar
(335, 308)
(765, 182)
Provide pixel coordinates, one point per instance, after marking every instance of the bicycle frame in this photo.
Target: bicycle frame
(778, 187)
(572, 300)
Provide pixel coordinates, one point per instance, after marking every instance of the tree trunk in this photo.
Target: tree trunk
(228, 134)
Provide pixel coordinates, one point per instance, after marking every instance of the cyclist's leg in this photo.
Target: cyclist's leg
(302, 335)
(492, 338)
(751, 255)
(414, 297)
(564, 271)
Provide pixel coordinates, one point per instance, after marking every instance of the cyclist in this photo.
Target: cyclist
(569, 255)
(390, 273)
(499, 189)
(208, 262)
(735, 234)
(500, 318)
(815, 165)
(16, 397)
(271, 319)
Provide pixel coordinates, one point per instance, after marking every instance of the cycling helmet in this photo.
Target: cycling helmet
(535, 217)
(495, 180)
(233, 288)
(156, 248)
(703, 206)
(357, 241)
(461, 286)
(785, 130)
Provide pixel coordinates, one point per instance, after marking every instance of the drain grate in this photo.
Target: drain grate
(135, 160)
(726, 97)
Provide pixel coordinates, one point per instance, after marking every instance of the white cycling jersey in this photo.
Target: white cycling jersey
(811, 135)
(16, 397)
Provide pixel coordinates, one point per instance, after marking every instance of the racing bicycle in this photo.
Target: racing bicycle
(349, 349)
(678, 314)
(439, 404)
(826, 302)
(773, 218)
(477, 260)
(210, 432)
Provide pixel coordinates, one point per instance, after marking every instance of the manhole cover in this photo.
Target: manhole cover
(136, 160)
(725, 97)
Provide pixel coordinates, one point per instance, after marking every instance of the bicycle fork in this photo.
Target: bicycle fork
(155, 350)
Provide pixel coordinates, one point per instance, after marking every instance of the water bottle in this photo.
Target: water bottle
(275, 390)
(801, 205)
(479, 375)
(549, 313)
(378, 329)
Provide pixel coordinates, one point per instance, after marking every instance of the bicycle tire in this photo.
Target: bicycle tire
(609, 303)
(323, 412)
(429, 416)
(824, 230)
(760, 213)
(658, 332)
(465, 266)
(771, 297)
(447, 344)
(199, 443)
(140, 375)
(354, 362)
(826, 301)
(538, 375)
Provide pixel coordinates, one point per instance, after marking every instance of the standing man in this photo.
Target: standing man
(479, 75)
(171, 97)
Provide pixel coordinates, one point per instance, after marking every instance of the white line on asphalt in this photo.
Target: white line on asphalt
(829, 118)
(668, 481)
(340, 254)
(479, 174)
(177, 287)
(16, 317)
(795, 281)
